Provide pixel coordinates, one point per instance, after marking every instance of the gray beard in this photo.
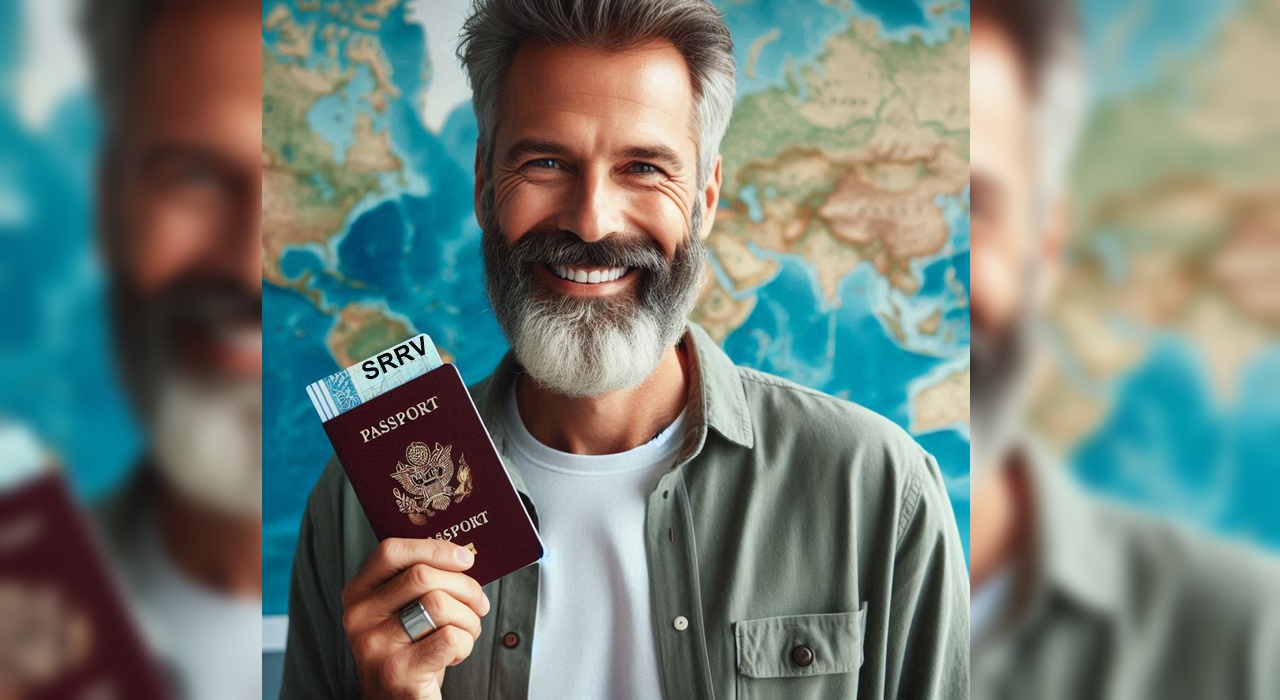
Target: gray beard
(581, 347)
(205, 433)
(1000, 390)
(207, 438)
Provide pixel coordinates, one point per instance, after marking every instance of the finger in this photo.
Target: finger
(394, 554)
(402, 675)
(444, 610)
(447, 646)
(415, 582)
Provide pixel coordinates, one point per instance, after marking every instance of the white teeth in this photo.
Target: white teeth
(246, 339)
(581, 276)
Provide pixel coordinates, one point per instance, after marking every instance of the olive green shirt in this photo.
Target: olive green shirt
(790, 520)
(1115, 605)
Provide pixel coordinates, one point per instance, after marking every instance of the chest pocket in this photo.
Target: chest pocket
(800, 656)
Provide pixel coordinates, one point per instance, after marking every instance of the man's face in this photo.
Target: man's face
(1007, 246)
(593, 217)
(1003, 180)
(190, 183)
(181, 206)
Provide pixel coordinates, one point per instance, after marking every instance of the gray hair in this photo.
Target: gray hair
(112, 31)
(497, 29)
(1046, 36)
(1061, 108)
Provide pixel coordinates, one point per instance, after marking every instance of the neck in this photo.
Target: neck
(999, 518)
(608, 424)
(220, 552)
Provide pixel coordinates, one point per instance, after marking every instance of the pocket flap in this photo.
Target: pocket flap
(775, 647)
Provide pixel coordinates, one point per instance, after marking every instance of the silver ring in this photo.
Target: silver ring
(416, 621)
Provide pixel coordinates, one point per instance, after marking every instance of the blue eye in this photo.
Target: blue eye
(198, 176)
(643, 168)
(549, 163)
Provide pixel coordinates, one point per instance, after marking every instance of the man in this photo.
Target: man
(1072, 597)
(180, 181)
(710, 530)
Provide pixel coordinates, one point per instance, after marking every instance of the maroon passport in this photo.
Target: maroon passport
(64, 632)
(423, 465)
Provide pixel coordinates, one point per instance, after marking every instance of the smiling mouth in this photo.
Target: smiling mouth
(587, 275)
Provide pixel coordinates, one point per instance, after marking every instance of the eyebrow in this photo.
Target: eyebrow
(661, 154)
(166, 153)
(527, 147)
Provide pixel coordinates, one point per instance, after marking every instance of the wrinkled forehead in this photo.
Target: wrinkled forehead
(1002, 110)
(644, 88)
(196, 65)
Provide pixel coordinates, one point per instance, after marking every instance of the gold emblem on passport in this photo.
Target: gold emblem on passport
(428, 481)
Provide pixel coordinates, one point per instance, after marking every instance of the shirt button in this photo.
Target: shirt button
(802, 655)
(510, 640)
(680, 623)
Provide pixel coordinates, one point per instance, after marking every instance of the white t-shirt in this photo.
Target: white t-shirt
(593, 636)
(211, 642)
(988, 606)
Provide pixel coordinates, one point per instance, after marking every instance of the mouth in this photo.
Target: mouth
(233, 349)
(586, 281)
(588, 275)
(242, 339)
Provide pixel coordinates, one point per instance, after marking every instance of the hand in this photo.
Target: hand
(399, 572)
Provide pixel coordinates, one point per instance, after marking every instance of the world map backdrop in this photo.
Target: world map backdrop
(1164, 392)
(839, 257)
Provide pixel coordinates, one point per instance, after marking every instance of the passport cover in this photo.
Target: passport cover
(64, 631)
(423, 465)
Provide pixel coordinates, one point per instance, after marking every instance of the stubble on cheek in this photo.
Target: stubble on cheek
(505, 184)
(668, 208)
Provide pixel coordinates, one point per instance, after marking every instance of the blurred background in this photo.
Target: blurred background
(141, 509)
(1164, 385)
(1125, 346)
(56, 369)
(840, 258)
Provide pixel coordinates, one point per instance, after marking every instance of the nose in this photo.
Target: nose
(995, 291)
(596, 211)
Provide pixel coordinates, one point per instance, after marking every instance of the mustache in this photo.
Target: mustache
(1002, 365)
(559, 247)
(994, 354)
(206, 302)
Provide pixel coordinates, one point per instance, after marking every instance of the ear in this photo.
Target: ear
(711, 198)
(479, 186)
(1053, 241)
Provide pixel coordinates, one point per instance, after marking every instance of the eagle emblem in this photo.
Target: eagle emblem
(427, 479)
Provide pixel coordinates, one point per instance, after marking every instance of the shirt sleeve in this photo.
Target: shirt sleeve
(928, 644)
(1263, 678)
(316, 654)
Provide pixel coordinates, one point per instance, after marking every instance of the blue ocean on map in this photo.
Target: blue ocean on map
(415, 254)
(1169, 443)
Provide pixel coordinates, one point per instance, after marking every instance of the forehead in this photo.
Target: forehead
(1001, 112)
(196, 65)
(646, 88)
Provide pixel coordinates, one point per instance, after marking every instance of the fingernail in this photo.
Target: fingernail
(487, 605)
(464, 556)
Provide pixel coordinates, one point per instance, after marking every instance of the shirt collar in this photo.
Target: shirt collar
(717, 400)
(1077, 555)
